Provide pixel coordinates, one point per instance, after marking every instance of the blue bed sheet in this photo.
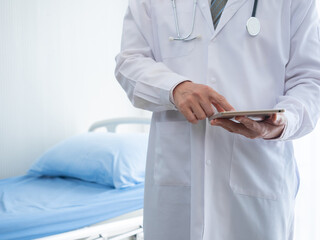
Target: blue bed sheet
(33, 207)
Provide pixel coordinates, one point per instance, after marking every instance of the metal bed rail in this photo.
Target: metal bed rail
(122, 229)
(112, 124)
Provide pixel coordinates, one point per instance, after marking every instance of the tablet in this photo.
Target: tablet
(257, 115)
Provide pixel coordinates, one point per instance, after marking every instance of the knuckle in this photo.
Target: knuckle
(220, 98)
(207, 88)
(210, 113)
(182, 105)
(202, 117)
(189, 98)
(196, 94)
(191, 118)
(193, 121)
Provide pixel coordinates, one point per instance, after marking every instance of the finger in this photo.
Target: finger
(216, 122)
(207, 108)
(218, 107)
(220, 102)
(237, 128)
(250, 124)
(189, 115)
(233, 127)
(277, 119)
(198, 111)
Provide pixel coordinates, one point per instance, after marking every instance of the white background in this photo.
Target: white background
(56, 74)
(56, 78)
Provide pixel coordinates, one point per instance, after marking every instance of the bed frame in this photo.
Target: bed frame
(112, 124)
(130, 228)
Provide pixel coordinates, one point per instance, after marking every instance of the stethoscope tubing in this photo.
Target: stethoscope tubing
(186, 38)
(254, 10)
(195, 2)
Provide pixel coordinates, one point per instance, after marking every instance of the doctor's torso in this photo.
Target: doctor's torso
(203, 182)
(228, 58)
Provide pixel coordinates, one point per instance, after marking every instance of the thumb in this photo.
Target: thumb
(277, 119)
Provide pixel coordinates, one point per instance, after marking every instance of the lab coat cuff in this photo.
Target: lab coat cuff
(286, 133)
(281, 137)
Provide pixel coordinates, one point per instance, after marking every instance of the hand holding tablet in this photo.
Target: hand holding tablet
(257, 115)
(266, 124)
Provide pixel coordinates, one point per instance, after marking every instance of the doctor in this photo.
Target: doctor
(221, 180)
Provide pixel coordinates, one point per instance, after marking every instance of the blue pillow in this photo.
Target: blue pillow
(113, 159)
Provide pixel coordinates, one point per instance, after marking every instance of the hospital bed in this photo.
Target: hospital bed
(50, 206)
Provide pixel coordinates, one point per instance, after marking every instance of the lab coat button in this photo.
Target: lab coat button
(213, 80)
(208, 162)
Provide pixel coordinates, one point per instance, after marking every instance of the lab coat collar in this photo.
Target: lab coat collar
(231, 8)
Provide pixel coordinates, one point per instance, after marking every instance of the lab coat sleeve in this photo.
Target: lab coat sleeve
(146, 81)
(301, 98)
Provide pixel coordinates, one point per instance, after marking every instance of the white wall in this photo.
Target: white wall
(56, 74)
(307, 217)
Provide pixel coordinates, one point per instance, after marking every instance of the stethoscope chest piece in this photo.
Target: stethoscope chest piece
(253, 26)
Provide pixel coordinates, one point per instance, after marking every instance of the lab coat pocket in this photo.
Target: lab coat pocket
(166, 30)
(257, 168)
(172, 163)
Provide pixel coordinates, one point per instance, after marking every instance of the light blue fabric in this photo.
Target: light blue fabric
(33, 207)
(112, 159)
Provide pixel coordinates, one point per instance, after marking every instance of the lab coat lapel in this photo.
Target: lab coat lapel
(231, 8)
(205, 11)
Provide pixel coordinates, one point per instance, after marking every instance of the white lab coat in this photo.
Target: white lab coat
(203, 182)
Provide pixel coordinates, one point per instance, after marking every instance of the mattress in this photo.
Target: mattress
(34, 207)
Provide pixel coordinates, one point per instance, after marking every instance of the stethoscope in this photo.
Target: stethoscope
(253, 23)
